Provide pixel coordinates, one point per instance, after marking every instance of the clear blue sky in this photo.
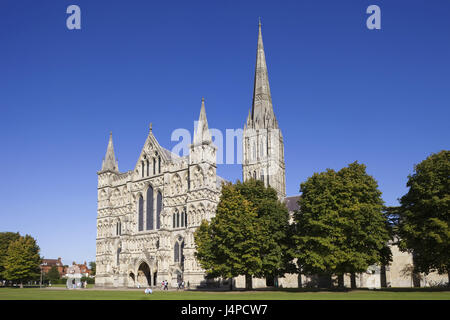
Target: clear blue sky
(341, 93)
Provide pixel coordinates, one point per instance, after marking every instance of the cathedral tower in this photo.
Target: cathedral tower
(263, 147)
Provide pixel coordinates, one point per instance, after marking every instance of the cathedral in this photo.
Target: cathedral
(147, 216)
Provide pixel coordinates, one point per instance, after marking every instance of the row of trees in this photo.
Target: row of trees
(19, 257)
(20, 260)
(342, 226)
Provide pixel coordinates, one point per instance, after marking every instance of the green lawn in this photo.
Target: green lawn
(91, 294)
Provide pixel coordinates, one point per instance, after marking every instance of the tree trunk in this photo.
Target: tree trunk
(330, 281)
(299, 280)
(448, 274)
(353, 280)
(340, 281)
(248, 282)
(231, 284)
(416, 279)
(325, 281)
(383, 279)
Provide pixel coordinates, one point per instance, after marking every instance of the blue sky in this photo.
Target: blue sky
(340, 92)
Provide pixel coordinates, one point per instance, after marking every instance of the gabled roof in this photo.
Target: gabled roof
(292, 203)
(165, 154)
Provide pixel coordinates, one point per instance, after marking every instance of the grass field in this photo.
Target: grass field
(92, 294)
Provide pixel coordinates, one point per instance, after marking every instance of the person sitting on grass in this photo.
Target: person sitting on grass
(148, 291)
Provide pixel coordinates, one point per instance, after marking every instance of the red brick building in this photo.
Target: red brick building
(47, 264)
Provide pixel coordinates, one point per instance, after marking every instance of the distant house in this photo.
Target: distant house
(47, 264)
(84, 270)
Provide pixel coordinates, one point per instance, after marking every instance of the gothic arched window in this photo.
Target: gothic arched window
(159, 164)
(182, 254)
(182, 218)
(154, 166)
(176, 252)
(261, 149)
(143, 168)
(158, 209)
(118, 228)
(174, 220)
(178, 255)
(148, 173)
(150, 208)
(141, 214)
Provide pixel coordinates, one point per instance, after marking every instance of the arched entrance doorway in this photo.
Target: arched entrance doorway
(143, 276)
(177, 277)
(131, 280)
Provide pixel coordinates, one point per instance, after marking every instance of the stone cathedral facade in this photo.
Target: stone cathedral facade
(147, 216)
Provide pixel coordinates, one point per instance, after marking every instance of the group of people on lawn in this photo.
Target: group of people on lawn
(165, 286)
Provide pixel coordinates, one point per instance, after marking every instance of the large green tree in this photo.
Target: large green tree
(273, 215)
(22, 262)
(5, 239)
(424, 215)
(340, 226)
(230, 245)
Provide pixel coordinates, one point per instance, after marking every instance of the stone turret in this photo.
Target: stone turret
(109, 162)
(202, 149)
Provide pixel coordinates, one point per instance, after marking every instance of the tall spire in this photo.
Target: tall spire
(110, 163)
(262, 109)
(202, 133)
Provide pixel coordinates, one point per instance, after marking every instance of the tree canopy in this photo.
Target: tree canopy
(273, 215)
(248, 235)
(5, 240)
(229, 245)
(340, 226)
(424, 214)
(92, 266)
(22, 262)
